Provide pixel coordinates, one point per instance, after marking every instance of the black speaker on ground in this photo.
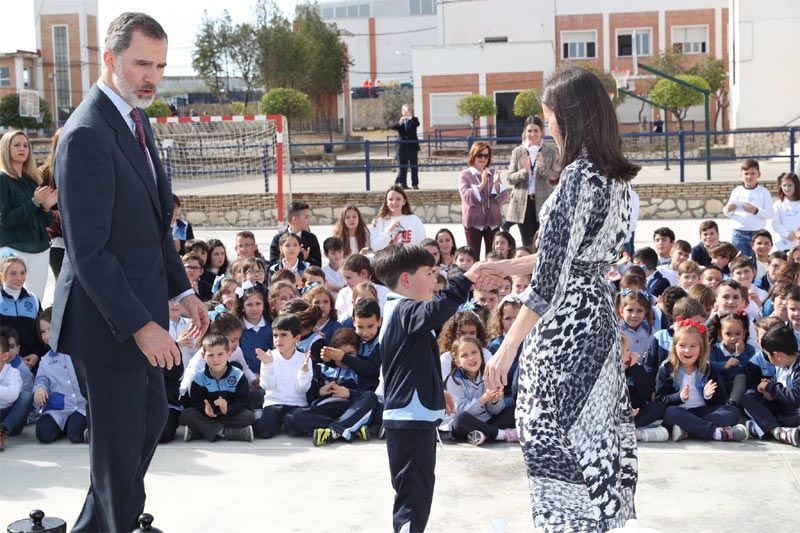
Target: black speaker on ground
(37, 522)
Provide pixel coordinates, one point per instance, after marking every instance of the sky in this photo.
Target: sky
(180, 18)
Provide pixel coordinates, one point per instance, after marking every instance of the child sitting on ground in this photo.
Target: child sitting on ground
(327, 324)
(647, 411)
(731, 351)
(502, 318)
(10, 387)
(460, 324)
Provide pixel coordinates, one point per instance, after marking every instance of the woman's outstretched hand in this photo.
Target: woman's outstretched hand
(496, 373)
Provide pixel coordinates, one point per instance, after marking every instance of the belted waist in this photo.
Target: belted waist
(587, 268)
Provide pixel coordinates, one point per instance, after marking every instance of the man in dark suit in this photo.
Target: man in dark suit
(407, 148)
(121, 269)
(299, 223)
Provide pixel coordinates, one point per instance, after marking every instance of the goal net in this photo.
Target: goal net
(225, 155)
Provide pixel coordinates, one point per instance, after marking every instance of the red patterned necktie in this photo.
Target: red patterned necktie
(137, 120)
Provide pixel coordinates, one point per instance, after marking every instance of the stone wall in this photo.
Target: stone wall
(760, 143)
(688, 201)
(368, 113)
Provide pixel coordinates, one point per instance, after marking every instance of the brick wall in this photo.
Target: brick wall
(451, 83)
(581, 22)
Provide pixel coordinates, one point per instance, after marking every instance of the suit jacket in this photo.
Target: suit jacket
(407, 133)
(546, 179)
(309, 242)
(120, 267)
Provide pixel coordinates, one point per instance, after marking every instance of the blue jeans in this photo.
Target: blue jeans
(14, 418)
(741, 240)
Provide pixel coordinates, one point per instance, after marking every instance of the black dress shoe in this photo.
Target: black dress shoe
(415, 187)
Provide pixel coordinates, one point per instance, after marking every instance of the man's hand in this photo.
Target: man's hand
(198, 313)
(156, 344)
(40, 396)
(484, 279)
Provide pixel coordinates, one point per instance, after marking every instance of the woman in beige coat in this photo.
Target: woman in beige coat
(533, 173)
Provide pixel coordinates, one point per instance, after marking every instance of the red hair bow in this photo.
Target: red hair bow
(686, 323)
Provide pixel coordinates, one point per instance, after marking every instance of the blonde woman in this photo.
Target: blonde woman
(25, 209)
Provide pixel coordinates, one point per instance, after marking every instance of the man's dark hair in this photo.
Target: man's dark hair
(288, 323)
(648, 256)
(332, 244)
(466, 250)
(665, 232)
(295, 209)
(779, 338)
(396, 259)
(120, 31)
(366, 309)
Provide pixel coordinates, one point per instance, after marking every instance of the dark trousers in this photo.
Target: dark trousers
(14, 417)
(407, 158)
(769, 415)
(127, 409)
(47, 429)
(209, 427)
(529, 226)
(649, 413)
(271, 420)
(56, 259)
(475, 236)
(344, 417)
(465, 422)
(701, 422)
(412, 461)
(171, 427)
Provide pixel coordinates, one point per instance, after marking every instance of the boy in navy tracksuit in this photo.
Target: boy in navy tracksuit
(774, 405)
(413, 391)
(219, 397)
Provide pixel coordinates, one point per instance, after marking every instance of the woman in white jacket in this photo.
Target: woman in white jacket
(787, 210)
(395, 222)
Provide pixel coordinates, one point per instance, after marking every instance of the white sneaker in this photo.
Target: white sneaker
(656, 434)
(678, 433)
(476, 438)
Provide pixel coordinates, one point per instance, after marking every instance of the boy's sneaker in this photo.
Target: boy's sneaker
(476, 438)
(656, 434)
(789, 436)
(362, 433)
(322, 436)
(678, 433)
(752, 429)
(511, 435)
(244, 434)
(188, 434)
(736, 433)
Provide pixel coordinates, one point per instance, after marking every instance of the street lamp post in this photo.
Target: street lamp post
(52, 77)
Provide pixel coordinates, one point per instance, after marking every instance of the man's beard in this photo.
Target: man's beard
(128, 92)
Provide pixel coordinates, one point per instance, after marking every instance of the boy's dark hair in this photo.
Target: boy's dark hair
(345, 336)
(10, 333)
(466, 250)
(707, 225)
(779, 338)
(688, 307)
(441, 280)
(213, 339)
(794, 293)
(245, 235)
(741, 261)
(307, 315)
(3, 342)
(295, 209)
(332, 244)
(192, 257)
(357, 262)
(778, 254)
(712, 267)
(761, 233)
(47, 316)
(747, 164)
(224, 324)
(313, 270)
(196, 244)
(683, 246)
(723, 249)
(665, 232)
(495, 256)
(366, 309)
(176, 201)
(733, 284)
(670, 296)
(648, 256)
(283, 274)
(396, 259)
(288, 323)
(636, 270)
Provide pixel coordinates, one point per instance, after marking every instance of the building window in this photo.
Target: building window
(625, 42)
(444, 110)
(690, 39)
(422, 7)
(61, 66)
(579, 44)
(5, 77)
(327, 13)
(345, 11)
(26, 77)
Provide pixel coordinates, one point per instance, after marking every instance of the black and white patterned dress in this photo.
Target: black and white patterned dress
(573, 413)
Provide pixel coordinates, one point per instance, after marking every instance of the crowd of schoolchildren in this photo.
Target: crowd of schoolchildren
(710, 332)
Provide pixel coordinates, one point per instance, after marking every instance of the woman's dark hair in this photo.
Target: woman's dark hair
(586, 119)
(384, 210)
(536, 121)
(216, 243)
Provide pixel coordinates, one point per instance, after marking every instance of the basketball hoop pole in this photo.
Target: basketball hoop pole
(279, 155)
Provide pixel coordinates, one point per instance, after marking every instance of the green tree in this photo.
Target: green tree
(608, 81)
(392, 101)
(242, 47)
(527, 103)
(290, 103)
(208, 55)
(476, 106)
(672, 63)
(9, 114)
(714, 72)
(678, 98)
(158, 108)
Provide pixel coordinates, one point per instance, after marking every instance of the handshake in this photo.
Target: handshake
(485, 276)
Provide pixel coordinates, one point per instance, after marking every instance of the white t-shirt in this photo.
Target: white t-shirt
(758, 196)
(695, 396)
(411, 231)
(284, 381)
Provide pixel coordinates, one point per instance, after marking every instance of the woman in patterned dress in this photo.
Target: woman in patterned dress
(573, 414)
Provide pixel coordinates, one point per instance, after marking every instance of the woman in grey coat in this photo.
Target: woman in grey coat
(533, 173)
